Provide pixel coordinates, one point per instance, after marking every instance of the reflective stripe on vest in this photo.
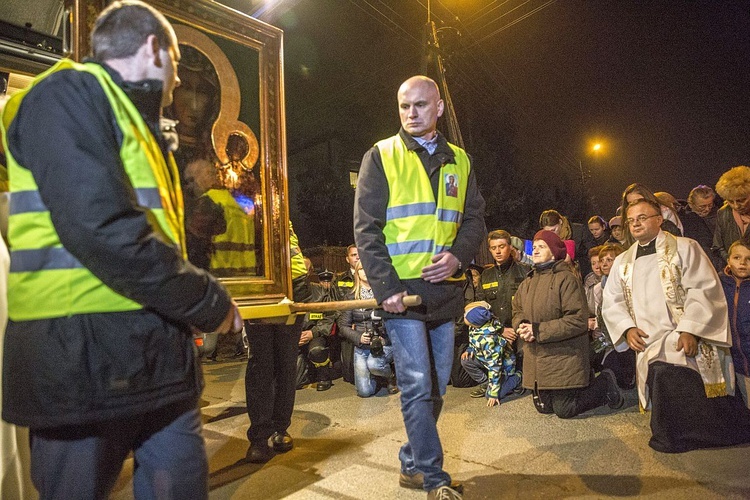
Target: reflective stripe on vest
(46, 280)
(417, 227)
(234, 250)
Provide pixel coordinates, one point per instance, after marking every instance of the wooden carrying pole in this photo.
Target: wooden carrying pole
(342, 305)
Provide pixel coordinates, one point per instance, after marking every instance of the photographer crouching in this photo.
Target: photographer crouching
(373, 353)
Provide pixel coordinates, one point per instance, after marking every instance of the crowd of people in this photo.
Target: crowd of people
(576, 320)
(103, 302)
(486, 335)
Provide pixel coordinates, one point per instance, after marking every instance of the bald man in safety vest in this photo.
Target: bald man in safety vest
(418, 222)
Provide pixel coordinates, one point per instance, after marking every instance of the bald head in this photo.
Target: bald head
(419, 106)
(420, 81)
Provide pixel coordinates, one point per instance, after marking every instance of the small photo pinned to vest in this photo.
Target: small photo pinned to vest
(451, 185)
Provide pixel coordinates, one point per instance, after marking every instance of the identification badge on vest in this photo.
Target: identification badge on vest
(485, 286)
(314, 316)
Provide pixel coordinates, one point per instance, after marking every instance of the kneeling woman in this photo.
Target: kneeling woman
(373, 353)
(551, 316)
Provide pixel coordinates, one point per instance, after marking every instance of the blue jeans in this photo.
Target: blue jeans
(478, 371)
(367, 367)
(84, 461)
(423, 353)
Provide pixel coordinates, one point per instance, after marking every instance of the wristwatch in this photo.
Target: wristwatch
(459, 272)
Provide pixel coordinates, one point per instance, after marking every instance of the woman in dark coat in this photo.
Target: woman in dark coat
(551, 316)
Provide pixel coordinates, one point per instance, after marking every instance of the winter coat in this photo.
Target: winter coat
(353, 323)
(738, 300)
(499, 284)
(321, 324)
(553, 301)
(727, 232)
(88, 368)
(487, 345)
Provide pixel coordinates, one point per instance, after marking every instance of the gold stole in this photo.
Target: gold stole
(709, 357)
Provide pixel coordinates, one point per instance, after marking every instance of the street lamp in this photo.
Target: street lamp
(594, 149)
(588, 196)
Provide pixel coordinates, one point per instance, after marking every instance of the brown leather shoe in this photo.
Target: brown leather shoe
(416, 482)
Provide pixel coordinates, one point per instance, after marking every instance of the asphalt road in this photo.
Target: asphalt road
(346, 448)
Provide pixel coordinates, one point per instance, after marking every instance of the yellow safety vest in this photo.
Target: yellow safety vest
(298, 260)
(234, 249)
(417, 227)
(46, 280)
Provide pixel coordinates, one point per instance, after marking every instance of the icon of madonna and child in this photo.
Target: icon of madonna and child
(216, 158)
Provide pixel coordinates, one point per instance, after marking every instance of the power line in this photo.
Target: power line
(495, 19)
(391, 9)
(515, 21)
(475, 85)
(433, 12)
(476, 15)
(566, 158)
(391, 21)
(364, 79)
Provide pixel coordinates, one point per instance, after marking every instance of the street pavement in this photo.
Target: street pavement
(347, 447)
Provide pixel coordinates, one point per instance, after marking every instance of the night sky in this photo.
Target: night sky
(662, 84)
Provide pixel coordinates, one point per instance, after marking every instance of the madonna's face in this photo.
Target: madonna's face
(191, 101)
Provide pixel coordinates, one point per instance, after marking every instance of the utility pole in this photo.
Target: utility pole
(434, 67)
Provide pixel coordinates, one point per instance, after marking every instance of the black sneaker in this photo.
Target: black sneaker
(615, 399)
(479, 392)
(323, 385)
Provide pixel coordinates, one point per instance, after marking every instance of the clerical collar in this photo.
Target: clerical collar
(647, 249)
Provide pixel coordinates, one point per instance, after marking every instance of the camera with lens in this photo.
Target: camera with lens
(376, 336)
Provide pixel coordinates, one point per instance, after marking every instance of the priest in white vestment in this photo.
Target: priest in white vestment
(664, 300)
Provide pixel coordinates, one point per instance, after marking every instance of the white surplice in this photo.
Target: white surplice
(705, 308)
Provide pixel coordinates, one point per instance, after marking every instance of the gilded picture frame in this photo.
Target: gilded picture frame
(237, 34)
(254, 51)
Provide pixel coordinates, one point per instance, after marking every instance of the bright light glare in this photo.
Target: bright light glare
(263, 7)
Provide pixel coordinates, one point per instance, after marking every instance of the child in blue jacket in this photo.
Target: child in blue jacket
(736, 282)
(489, 359)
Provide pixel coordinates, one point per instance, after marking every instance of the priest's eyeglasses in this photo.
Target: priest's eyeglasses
(640, 219)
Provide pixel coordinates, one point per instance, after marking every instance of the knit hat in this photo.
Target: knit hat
(553, 241)
(615, 221)
(477, 313)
